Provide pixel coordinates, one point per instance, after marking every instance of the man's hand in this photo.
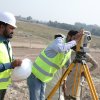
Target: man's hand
(16, 63)
(78, 36)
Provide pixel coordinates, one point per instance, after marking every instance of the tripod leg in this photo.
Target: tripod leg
(78, 87)
(75, 76)
(90, 82)
(60, 81)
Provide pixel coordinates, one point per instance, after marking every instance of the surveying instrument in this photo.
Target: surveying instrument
(79, 61)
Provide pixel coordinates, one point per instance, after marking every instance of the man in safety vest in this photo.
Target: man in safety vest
(7, 26)
(50, 60)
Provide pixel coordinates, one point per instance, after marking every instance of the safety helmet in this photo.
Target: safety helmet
(8, 18)
(22, 72)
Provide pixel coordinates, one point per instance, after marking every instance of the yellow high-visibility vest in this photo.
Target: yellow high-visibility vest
(44, 67)
(5, 79)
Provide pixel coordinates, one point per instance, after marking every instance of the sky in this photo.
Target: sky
(63, 11)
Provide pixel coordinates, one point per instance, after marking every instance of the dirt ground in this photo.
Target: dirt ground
(19, 91)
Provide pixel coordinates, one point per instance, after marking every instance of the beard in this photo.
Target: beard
(68, 40)
(74, 48)
(7, 34)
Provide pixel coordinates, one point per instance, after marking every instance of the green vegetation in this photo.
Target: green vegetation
(39, 33)
(94, 29)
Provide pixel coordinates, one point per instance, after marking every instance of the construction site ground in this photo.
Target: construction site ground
(19, 90)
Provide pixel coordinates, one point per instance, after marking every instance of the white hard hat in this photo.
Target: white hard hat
(8, 18)
(22, 72)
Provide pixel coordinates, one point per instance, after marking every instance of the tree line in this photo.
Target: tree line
(94, 29)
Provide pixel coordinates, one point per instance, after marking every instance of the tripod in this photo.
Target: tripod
(80, 59)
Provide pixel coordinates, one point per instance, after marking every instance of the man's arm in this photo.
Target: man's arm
(12, 65)
(5, 66)
(60, 46)
(65, 47)
(91, 60)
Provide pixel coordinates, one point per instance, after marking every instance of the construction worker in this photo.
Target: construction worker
(49, 61)
(67, 86)
(7, 26)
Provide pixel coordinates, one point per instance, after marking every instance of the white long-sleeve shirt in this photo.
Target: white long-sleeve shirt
(58, 46)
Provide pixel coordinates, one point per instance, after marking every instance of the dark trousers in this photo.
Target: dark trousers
(2, 94)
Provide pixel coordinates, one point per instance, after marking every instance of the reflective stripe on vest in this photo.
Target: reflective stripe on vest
(5, 79)
(48, 62)
(42, 71)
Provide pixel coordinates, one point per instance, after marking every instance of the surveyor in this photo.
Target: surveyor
(68, 83)
(7, 26)
(49, 61)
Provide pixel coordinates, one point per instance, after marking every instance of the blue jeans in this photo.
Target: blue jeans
(36, 88)
(2, 94)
